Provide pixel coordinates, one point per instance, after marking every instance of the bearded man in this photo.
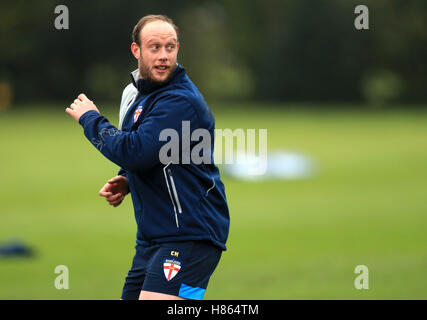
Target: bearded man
(180, 206)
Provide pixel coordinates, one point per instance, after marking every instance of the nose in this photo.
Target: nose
(163, 56)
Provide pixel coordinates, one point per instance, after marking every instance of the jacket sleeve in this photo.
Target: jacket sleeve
(139, 150)
(122, 172)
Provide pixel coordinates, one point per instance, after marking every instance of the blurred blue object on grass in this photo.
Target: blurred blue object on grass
(15, 248)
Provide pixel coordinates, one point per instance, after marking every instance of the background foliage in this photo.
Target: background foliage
(306, 50)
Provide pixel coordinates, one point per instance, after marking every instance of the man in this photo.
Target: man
(180, 206)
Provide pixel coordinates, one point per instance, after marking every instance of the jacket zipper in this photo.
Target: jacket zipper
(174, 191)
(213, 186)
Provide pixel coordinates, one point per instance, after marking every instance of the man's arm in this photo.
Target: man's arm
(137, 150)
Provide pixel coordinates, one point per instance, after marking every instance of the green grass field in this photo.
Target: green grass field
(300, 239)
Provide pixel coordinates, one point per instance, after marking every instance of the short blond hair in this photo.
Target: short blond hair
(149, 18)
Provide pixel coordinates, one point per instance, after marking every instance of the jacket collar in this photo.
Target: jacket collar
(145, 86)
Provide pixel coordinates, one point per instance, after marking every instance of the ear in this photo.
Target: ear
(135, 50)
(177, 47)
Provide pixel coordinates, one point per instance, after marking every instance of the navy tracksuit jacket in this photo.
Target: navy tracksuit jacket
(174, 201)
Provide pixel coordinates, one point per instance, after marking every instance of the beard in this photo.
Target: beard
(145, 72)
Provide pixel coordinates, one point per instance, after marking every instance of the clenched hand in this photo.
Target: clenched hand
(80, 106)
(115, 190)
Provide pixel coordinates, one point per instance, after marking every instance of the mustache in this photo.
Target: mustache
(145, 71)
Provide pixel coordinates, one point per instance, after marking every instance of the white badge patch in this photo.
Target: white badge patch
(171, 268)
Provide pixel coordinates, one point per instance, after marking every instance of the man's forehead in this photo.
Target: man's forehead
(158, 30)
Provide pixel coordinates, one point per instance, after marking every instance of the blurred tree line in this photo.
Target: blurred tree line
(277, 50)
